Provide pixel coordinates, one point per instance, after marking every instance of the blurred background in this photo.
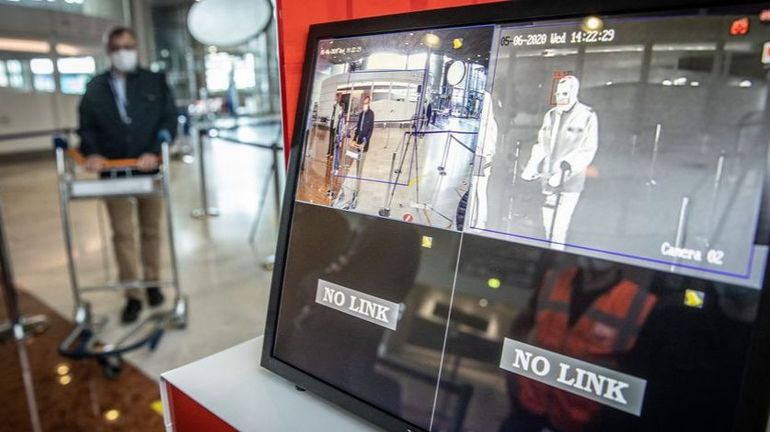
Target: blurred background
(225, 177)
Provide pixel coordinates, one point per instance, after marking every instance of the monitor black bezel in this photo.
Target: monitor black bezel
(752, 409)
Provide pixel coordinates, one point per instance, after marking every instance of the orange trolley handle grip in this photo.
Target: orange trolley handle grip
(108, 164)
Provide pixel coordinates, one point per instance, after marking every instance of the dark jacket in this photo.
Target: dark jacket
(364, 128)
(150, 106)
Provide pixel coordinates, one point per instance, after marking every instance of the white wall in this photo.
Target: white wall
(54, 26)
(34, 111)
(25, 111)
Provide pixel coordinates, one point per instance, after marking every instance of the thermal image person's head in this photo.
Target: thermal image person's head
(567, 92)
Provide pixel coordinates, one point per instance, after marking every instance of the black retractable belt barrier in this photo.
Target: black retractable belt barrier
(205, 210)
(273, 176)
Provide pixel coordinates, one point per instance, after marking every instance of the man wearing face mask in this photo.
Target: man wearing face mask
(121, 114)
(566, 146)
(361, 138)
(337, 110)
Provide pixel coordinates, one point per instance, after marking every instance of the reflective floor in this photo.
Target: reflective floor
(41, 391)
(220, 271)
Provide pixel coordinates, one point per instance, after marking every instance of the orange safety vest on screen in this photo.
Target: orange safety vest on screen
(604, 332)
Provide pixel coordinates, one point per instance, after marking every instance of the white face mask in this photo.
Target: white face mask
(124, 60)
(566, 96)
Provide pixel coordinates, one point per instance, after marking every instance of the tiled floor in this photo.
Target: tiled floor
(220, 271)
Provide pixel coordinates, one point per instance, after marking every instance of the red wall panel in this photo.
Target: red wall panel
(295, 18)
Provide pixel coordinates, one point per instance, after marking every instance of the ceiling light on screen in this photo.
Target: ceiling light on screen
(68, 50)
(431, 40)
(592, 23)
(25, 45)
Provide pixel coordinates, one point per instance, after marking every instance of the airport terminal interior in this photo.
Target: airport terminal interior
(458, 182)
(48, 53)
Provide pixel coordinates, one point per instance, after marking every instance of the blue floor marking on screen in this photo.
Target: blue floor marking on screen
(747, 275)
(371, 180)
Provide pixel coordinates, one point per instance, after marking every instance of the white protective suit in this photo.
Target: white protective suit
(569, 134)
(486, 151)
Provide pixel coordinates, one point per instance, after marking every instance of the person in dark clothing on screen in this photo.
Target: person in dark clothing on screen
(121, 114)
(360, 146)
(337, 111)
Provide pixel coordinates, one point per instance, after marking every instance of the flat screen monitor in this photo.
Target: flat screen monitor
(531, 216)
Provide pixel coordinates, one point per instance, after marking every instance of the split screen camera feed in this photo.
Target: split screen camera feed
(558, 226)
(395, 122)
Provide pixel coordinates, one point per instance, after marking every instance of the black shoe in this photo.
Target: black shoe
(131, 311)
(154, 296)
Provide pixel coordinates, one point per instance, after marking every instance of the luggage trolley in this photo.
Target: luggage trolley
(83, 342)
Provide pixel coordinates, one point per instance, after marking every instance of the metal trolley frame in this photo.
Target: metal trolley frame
(83, 341)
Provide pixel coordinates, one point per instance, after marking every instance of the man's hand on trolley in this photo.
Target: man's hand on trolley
(529, 173)
(147, 162)
(554, 180)
(560, 174)
(95, 163)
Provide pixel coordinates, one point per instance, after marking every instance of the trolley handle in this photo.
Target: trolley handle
(164, 136)
(108, 164)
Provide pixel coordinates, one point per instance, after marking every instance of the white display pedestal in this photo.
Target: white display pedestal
(232, 386)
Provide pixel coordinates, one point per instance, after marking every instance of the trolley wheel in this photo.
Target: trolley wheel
(83, 314)
(111, 366)
(180, 323)
(181, 313)
(269, 263)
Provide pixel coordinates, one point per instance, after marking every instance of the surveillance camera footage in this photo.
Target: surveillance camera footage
(560, 226)
(394, 123)
(639, 141)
